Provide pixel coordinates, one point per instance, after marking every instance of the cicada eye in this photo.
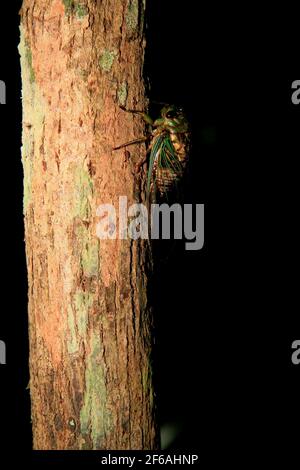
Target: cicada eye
(171, 114)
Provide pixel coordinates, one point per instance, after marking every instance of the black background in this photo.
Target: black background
(227, 315)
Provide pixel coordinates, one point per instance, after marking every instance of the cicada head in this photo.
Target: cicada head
(174, 117)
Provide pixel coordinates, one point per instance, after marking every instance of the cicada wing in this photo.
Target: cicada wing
(169, 171)
(154, 157)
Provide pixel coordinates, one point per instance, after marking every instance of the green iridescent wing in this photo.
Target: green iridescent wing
(165, 153)
(154, 151)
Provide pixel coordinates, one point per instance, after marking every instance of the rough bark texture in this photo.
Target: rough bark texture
(90, 319)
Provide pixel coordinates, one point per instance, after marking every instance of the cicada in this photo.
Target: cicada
(168, 147)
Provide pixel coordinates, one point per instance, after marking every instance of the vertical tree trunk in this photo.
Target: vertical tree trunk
(89, 314)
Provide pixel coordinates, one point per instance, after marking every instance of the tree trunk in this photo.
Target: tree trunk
(90, 319)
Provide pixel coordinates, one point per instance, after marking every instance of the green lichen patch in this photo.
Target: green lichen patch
(95, 418)
(34, 109)
(80, 10)
(132, 15)
(90, 258)
(74, 8)
(27, 184)
(86, 244)
(107, 59)
(28, 55)
(69, 5)
(83, 301)
(84, 189)
(122, 94)
(78, 316)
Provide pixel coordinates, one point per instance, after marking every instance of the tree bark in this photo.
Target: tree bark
(90, 319)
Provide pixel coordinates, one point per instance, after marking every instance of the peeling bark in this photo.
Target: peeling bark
(90, 321)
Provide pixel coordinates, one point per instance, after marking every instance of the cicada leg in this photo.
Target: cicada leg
(137, 141)
(148, 119)
(132, 142)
